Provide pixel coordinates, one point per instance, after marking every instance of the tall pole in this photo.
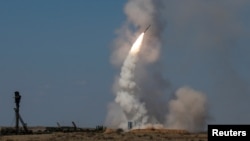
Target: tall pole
(17, 101)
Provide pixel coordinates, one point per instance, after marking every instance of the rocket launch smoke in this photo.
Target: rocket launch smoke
(126, 96)
(140, 88)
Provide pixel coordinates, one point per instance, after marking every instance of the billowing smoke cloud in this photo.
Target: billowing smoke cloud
(141, 87)
(116, 118)
(188, 111)
(212, 38)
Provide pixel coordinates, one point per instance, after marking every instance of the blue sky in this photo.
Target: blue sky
(57, 55)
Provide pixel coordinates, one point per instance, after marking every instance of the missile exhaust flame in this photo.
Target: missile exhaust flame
(137, 45)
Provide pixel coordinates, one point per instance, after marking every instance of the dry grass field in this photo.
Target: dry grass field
(112, 135)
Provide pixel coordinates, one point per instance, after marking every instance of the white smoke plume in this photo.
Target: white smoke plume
(140, 88)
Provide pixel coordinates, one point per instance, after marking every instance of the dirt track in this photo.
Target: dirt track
(110, 135)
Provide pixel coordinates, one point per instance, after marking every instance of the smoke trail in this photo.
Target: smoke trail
(126, 96)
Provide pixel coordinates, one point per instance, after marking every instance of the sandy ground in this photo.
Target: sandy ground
(111, 135)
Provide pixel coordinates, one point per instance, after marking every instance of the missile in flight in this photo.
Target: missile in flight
(147, 29)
